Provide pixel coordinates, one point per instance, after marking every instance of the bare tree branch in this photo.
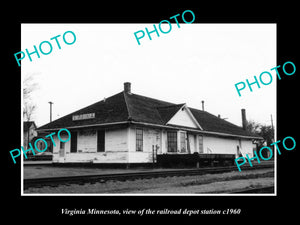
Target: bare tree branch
(28, 106)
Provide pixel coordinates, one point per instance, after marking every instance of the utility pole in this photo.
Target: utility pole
(272, 122)
(272, 128)
(50, 110)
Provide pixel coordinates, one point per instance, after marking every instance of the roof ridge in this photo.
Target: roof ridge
(160, 117)
(169, 106)
(129, 100)
(161, 109)
(127, 107)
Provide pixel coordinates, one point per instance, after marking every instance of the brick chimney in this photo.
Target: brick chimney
(244, 120)
(127, 87)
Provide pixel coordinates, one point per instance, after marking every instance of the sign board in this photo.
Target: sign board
(84, 116)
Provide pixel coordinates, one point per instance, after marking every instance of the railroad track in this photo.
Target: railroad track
(82, 179)
(267, 189)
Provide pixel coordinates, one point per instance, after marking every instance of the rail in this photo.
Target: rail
(266, 189)
(55, 181)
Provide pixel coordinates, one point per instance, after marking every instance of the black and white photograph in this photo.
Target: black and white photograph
(185, 113)
(160, 117)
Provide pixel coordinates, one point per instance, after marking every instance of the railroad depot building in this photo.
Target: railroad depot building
(128, 128)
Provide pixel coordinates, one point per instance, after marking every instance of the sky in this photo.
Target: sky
(187, 65)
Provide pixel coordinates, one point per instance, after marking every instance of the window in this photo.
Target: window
(200, 143)
(182, 142)
(139, 139)
(172, 141)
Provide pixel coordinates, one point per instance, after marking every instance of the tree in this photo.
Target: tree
(28, 110)
(265, 131)
(28, 107)
(253, 127)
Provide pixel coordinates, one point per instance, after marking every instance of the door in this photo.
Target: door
(73, 141)
(155, 144)
(238, 151)
(100, 140)
(61, 151)
(183, 143)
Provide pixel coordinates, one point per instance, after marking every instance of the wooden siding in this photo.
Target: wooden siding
(247, 148)
(219, 145)
(116, 148)
(87, 141)
(116, 140)
(120, 146)
(226, 145)
(151, 137)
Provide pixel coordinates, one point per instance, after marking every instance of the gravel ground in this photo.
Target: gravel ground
(209, 183)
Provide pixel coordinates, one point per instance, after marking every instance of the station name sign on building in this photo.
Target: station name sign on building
(83, 116)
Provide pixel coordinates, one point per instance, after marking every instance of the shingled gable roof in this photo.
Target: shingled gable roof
(212, 123)
(110, 110)
(167, 112)
(128, 107)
